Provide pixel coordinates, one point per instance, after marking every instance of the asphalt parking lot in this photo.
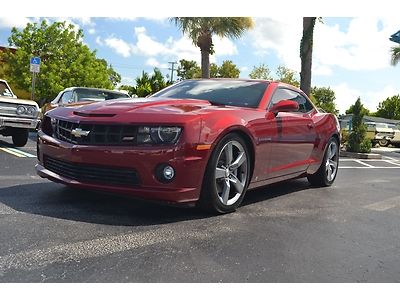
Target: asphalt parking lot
(288, 232)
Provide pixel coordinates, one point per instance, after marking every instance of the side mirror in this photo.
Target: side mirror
(284, 106)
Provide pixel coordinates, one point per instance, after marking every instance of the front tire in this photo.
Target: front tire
(227, 176)
(383, 142)
(20, 136)
(327, 172)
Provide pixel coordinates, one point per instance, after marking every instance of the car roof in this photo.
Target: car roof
(93, 89)
(279, 83)
(230, 79)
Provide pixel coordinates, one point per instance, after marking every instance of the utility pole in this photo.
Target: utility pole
(172, 69)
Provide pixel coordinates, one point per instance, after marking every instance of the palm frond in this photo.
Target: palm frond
(221, 26)
(395, 55)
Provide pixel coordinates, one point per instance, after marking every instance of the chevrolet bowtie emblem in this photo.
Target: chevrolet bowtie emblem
(78, 132)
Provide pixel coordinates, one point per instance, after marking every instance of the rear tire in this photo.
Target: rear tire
(327, 172)
(227, 176)
(20, 136)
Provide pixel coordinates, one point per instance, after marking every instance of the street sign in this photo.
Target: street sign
(35, 60)
(35, 64)
(35, 68)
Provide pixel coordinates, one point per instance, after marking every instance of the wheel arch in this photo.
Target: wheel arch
(244, 133)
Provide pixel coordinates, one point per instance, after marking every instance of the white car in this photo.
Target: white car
(17, 116)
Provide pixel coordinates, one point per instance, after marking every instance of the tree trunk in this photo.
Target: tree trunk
(205, 64)
(204, 42)
(306, 46)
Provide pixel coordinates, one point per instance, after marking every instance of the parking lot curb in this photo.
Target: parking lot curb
(360, 155)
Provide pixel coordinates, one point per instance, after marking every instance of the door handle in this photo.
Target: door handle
(310, 126)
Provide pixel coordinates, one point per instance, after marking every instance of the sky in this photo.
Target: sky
(351, 55)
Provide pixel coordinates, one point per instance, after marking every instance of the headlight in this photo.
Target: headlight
(158, 134)
(27, 110)
(21, 110)
(31, 110)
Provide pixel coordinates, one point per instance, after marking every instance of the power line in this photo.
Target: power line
(172, 69)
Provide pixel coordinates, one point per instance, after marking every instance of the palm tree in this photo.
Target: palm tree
(395, 55)
(201, 30)
(306, 46)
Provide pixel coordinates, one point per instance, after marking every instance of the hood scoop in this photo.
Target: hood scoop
(82, 114)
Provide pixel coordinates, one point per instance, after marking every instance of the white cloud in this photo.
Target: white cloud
(92, 31)
(9, 22)
(346, 96)
(127, 81)
(156, 64)
(139, 30)
(364, 45)
(152, 62)
(280, 36)
(119, 46)
(224, 46)
(146, 45)
(318, 69)
(182, 48)
(85, 21)
(156, 19)
(99, 41)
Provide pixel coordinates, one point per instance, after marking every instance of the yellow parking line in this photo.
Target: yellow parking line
(26, 154)
(8, 150)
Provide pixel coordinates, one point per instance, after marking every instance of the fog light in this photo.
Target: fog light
(165, 173)
(169, 172)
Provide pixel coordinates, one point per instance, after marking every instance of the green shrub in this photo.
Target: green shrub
(365, 146)
(357, 137)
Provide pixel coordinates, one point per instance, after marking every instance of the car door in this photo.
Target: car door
(293, 145)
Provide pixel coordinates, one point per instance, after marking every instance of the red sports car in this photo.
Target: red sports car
(203, 142)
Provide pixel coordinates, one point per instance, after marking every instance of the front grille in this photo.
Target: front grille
(8, 109)
(96, 134)
(92, 174)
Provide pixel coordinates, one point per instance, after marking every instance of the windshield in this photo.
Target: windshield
(219, 92)
(97, 95)
(4, 90)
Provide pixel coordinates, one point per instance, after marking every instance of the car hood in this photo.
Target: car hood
(17, 101)
(145, 110)
(143, 106)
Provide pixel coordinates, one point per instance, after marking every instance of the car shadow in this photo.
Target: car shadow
(269, 192)
(57, 201)
(4, 143)
(8, 143)
(32, 136)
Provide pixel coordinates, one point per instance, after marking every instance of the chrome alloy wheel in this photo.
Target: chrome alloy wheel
(231, 173)
(332, 157)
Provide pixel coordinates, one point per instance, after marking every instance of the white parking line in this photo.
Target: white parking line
(388, 158)
(373, 168)
(393, 163)
(77, 251)
(363, 163)
(385, 204)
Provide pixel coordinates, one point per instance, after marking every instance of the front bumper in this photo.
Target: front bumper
(19, 122)
(189, 165)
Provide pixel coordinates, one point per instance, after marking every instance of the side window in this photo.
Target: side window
(286, 94)
(66, 97)
(304, 104)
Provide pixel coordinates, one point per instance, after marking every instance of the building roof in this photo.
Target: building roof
(373, 119)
